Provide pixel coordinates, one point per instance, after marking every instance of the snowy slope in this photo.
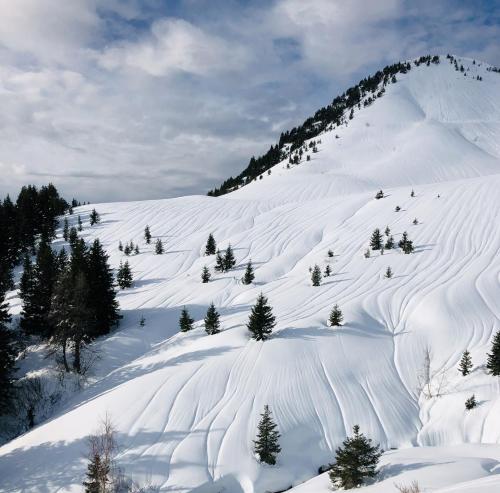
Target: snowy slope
(186, 405)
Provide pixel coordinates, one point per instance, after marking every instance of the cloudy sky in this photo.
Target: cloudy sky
(136, 99)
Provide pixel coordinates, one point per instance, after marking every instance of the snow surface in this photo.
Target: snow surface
(186, 405)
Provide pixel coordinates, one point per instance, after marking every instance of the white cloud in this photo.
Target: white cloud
(175, 45)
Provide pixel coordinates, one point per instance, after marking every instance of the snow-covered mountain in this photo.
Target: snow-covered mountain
(186, 405)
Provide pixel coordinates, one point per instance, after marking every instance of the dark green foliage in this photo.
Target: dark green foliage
(220, 265)
(316, 276)
(212, 322)
(328, 271)
(229, 260)
(412, 194)
(415, 221)
(136, 250)
(94, 217)
(387, 231)
(471, 402)
(389, 244)
(205, 274)
(126, 250)
(493, 361)
(147, 234)
(330, 253)
(336, 317)
(397, 209)
(66, 229)
(80, 226)
(379, 195)
(261, 321)
(97, 474)
(7, 358)
(211, 246)
(266, 446)
(376, 240)
(124, 276)
(185, 321)
(73, 235)
(465, 365)
(120, 246)
(405, 244)
(388, 273)
(356, 461)
(249, 275)
(158, 247)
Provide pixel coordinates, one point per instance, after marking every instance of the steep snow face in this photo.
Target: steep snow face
(186, 406)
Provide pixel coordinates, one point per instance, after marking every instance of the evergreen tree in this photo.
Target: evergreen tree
(415, 221)
(379, 195)
(261, 321)
(388, 273)
(405, 244)
(205, 274)
(185, 321)
(465, 365)
(7, 358)
(159, 247)
(212, 323)
(97, 475)
(316, 276)
(336, 317)
(211, 246)
(124, 276)
(266, 446)
(376, 240)
(412, 194)
(147, 234)
(493, 361)
(73, 235)
(355, 461)
(389, 244)
(136, 250)
(120, 246)
(61, 261)
(387, 231)
(80, 226)
(220, 265)
(102, 294)
(249, 275)
(330, 253)
(328, 271)
(94, 217)
(229, 260)
(126, 250)
(367, 253)
(397, 209)
(66, 229)
(471, 402)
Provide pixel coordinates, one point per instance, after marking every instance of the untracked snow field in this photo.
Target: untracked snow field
(186, 405)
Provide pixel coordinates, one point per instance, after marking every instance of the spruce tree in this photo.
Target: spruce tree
(316, 276)
(328, 271)
(136, 250)
(220, 265)
(212, 322)
(229, 260)
(126, 250)
(389, 244)
(7, 358)
(66, 229)
(330, 253)
(471, 402)
(205, 274)
(80, 226)
(465, 365)
(124, 276)
(97, 475)
(211, 246)
(147, 234)
(387, 231)
(379, 195)
(356, 461)
(84, 326)
(405, 244)
(249, 276)
(261, 321)
(388, 273)
(376, 240)
(397, 209)
(158, 247)
(185, 321)
(94, 217)
(73, 235)
(266, 446)
(336, 317)
(493, 361)
(120, 246)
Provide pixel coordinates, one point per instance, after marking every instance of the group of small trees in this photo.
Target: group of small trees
(129, 249)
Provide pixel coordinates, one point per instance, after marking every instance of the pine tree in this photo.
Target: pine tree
(249, 275)
(415, 221)
(266, 446)
(379, 195)
(120, 246)
(185, 321)
(136, 250)
(328, 271)
(66, 229)
(7, 358)
(376, 240)
(261, 321)
(355, 461)
(97, 475)
(205, 274)
(405, 244)
(471, 402)
(330, 253)
(229, 260)
(94, 217)
(158, 247)
(124, 276)
(397, 209)
(389, 244)
(316, 276)
(336, 317)
(219, 262)
(73, 235)
(126, 250)
(493, 361)
(212, 322)
(147, 235)
(388, 273)
(387, 231)
(465, 365)
(80, 226)
(211, 246)
(61, 261)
